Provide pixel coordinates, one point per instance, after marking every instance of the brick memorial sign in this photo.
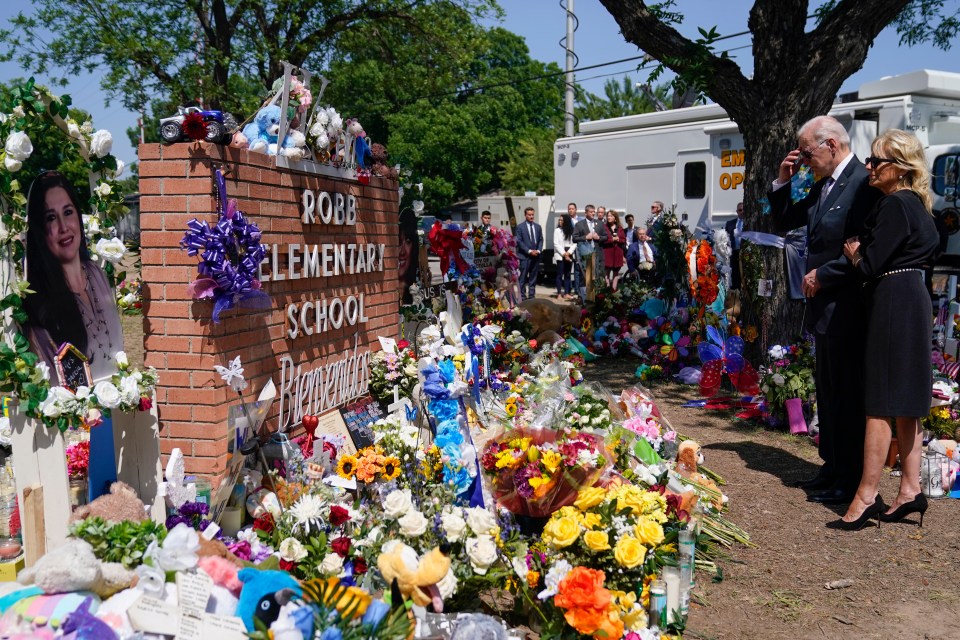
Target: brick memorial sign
(329, 271)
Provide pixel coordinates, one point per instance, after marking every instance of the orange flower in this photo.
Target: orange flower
(369, 466)
(583, 588)
(599, 623)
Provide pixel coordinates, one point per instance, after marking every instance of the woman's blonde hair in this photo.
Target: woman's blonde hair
(906, 149)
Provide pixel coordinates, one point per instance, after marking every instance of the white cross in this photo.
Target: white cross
(399, 404)
(174, 488)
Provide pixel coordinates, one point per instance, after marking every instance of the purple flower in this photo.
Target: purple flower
(522, 479)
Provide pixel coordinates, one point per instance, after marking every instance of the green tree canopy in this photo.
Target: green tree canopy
(216, 50)
(621, 97)
(459, 142)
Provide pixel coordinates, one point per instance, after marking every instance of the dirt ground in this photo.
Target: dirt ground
(904, 577)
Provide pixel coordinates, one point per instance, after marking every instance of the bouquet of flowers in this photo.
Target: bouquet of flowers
(130, 297)
(534, 472)
(599, 557)
(314, 537)
(480, 547)
(389, 370)
(78, 459)
(789, 375)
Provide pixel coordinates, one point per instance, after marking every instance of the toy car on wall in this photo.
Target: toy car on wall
(220, 125)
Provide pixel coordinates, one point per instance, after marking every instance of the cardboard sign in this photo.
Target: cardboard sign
(73, 368)
(154, 616)
(193, 590)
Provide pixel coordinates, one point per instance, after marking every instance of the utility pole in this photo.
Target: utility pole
(568, 78)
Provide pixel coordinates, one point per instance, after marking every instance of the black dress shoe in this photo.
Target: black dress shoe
(875, 510)
(816, 483)
(917, 505)
(831, 496)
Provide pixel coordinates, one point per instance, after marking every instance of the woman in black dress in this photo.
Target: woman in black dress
(900, 240)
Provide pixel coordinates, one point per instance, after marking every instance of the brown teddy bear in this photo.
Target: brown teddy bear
(689, 457)
(380, 167)
(119, 505)
(547, 317)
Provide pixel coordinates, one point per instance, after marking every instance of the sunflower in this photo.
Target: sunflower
(391, 468)
(347, 467)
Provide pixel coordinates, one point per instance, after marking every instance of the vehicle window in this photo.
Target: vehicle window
(694, 180)
(946, 170)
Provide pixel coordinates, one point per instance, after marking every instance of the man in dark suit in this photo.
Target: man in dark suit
(734, 229)
(833, 211)
(529, 246)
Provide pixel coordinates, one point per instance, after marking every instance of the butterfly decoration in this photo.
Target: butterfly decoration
(720, 354)
(411, 412)
(674, 346)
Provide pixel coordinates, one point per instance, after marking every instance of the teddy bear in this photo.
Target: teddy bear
(378, 158)
(424, 579)
(547, 318)
(119, 505)
(73, 567)
(689, 457)
(261, 135)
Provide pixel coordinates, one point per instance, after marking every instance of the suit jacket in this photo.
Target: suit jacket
(581, 229)
(837, 306)
(526, 242)
(731, 227)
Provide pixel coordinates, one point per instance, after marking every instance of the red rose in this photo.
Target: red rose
(287, 565)
(264, 523)
(145, 404)
(359, 566)
(341, 546)
(403, 344)
(338, 515)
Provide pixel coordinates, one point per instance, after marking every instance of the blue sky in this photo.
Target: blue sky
(543, 24)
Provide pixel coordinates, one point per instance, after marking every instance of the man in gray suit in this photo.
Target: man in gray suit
(587, 240)
(833, 211)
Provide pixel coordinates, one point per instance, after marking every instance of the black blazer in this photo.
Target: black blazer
(731, 227)
(837, 306)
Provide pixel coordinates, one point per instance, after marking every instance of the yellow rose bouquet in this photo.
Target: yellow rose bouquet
(625, 530)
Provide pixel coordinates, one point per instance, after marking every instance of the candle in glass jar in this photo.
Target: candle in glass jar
(671, 576)
(9, 548)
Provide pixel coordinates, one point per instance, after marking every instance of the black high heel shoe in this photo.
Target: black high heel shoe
(917, 505)
(874, 510)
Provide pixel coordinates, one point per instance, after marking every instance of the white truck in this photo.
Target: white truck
(694, 157)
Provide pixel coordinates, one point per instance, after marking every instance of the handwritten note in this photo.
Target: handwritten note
(194, 591)
(154, 616)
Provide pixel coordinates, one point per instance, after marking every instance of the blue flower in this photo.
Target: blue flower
(445, 409)
(376, 612)
(331, 633)
(447, 370)
(457, 476)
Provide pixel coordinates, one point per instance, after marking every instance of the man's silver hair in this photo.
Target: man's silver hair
(824, 127)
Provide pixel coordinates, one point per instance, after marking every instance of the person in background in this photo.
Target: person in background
(73, 300)
(586, 238)
(600, 227)
(564, 255)
(899, 241)
(734, 229)
(656, 212)
(529, 246)
(485, 221)
(613, 249)
(407, 263)
(833, 210)
(628, 227)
